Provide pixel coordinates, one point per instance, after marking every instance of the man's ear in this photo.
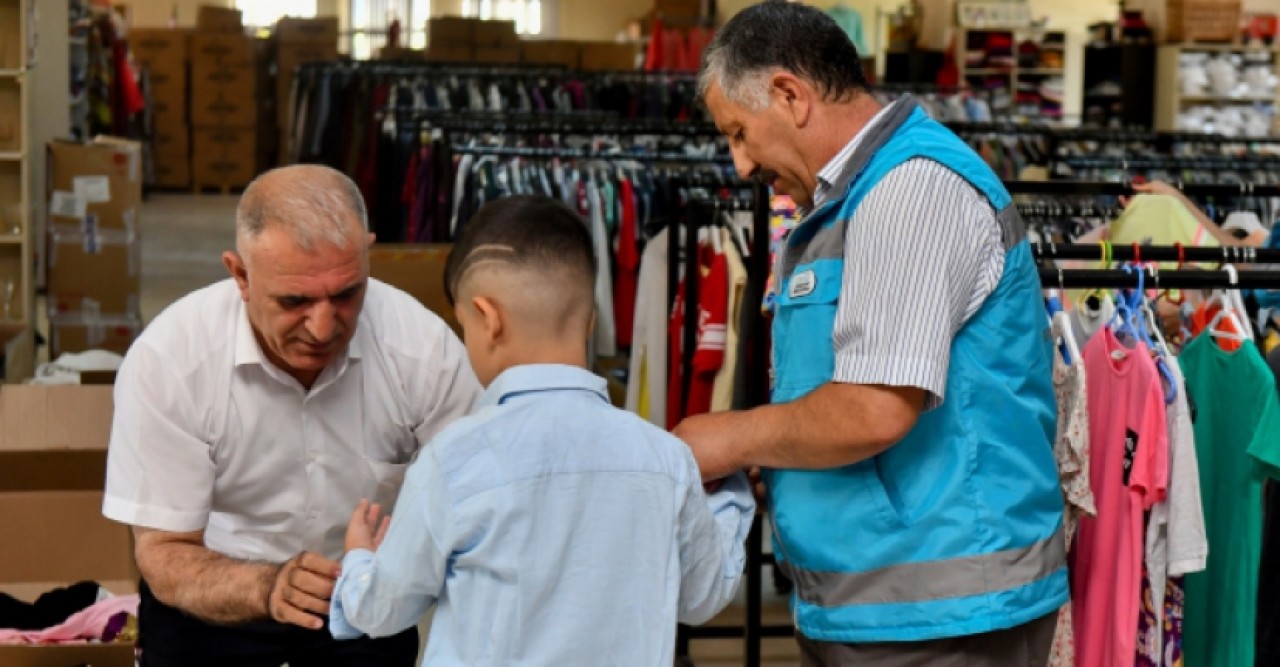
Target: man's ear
(492, 319)
(236, 267)
(797, 96)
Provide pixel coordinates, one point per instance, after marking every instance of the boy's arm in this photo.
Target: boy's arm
(383, 593)
(713, 531)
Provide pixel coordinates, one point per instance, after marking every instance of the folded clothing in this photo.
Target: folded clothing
(99, 622)
(49, 609)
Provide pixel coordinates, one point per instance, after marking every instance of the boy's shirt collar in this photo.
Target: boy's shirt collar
(523, 381)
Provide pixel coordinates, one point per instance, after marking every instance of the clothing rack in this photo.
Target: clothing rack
(593, 122)
(1153, 278)
(698, 210)
(1138, 253)
(1124, 188)
(583, 154)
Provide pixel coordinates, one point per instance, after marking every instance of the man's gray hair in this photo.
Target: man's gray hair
(774, 36)
(316, 203)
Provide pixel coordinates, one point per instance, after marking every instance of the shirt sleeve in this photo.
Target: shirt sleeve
(451, 388)
(1150, 461)
(160, 473)
(922, 252)
(1265, 447)
(712, 533)
(384, 593)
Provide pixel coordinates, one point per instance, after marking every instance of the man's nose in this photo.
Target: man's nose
(322, 321)
(744, 165)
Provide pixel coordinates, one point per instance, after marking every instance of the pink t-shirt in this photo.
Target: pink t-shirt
(1128, 472)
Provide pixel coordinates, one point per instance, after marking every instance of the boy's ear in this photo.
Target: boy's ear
(490, 317)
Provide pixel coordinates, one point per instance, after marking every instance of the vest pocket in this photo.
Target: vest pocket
(804, 354)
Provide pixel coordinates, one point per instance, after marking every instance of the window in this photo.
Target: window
(371, 18)
(526, 13)
(265, 13)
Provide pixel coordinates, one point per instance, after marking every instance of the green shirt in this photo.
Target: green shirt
(1237, 428)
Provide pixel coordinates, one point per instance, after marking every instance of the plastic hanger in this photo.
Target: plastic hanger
(1226, 311)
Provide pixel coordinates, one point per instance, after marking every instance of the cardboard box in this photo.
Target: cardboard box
(551, 52)
(154, 47)
(77, 333)
(678, 9)
(210, 18)
(102, 179)
(315, 31)
(169, 94)
(450, 54)
(496, 33)
(600, 56)
(223, 95)
(10, 115)
(451, 31)
(416, 268)
(219, 49)
(96, 272)
(53, 442)
(172, 171)
(170, 139)
(509, 55)
(224, 156)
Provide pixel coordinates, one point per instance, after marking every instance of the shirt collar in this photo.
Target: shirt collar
(248, 351)
(830, 173)
(520, 381)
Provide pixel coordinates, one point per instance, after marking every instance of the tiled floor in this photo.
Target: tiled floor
(183, 238)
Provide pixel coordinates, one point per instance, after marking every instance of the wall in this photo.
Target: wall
(50, 113)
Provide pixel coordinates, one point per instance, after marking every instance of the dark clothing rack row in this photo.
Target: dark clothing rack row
(582, 154)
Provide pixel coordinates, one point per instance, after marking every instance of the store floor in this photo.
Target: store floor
(183, 237)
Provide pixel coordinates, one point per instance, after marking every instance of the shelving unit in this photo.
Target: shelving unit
(1119, 90)
(16, 293)
(1170, 100)
(1008, 71)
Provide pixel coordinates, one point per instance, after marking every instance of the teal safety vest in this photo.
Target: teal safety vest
(956, 529)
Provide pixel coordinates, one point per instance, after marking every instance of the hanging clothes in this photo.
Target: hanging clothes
(628, 254)
(850, 21)
(708, 354)
(1159, 220)
(722, 387)
(1129, 474)
(1176, 541)
(1237, 433)
(646, 379)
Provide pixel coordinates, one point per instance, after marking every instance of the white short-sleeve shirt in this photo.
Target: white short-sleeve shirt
(210, 435)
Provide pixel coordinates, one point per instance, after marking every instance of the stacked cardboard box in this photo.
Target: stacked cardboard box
(94, 255)
(456, 39)
(224, 104)
(299, 41)
(164, 54)
(551, 52)
(53, 454)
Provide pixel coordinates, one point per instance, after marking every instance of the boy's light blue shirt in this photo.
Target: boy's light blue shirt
(551, 529)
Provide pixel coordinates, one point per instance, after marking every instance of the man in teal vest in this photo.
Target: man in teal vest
(907, 453)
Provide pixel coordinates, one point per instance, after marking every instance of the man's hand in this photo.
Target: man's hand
(713, 439)
(301, 591)
(366, 530)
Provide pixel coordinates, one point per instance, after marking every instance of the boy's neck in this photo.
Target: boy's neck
(552, 354)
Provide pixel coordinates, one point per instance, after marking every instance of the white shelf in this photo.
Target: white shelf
(12, 156)
(12, 73)
(1240, 99)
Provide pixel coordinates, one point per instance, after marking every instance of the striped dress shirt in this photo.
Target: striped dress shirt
(922, 253)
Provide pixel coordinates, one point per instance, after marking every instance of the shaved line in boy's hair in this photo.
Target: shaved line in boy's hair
(489, 253)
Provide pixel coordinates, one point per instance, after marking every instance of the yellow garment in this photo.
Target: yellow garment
(642, 407)
(1271, 342)
(722, 390)
(1161, 220)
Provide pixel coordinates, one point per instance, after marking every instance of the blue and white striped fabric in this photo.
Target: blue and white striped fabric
(922, 253)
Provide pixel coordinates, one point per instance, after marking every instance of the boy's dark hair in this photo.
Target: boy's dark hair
(524, 231)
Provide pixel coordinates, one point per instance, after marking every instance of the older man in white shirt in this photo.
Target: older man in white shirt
(252, 416)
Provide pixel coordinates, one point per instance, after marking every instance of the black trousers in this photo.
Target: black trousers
(171, 638)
